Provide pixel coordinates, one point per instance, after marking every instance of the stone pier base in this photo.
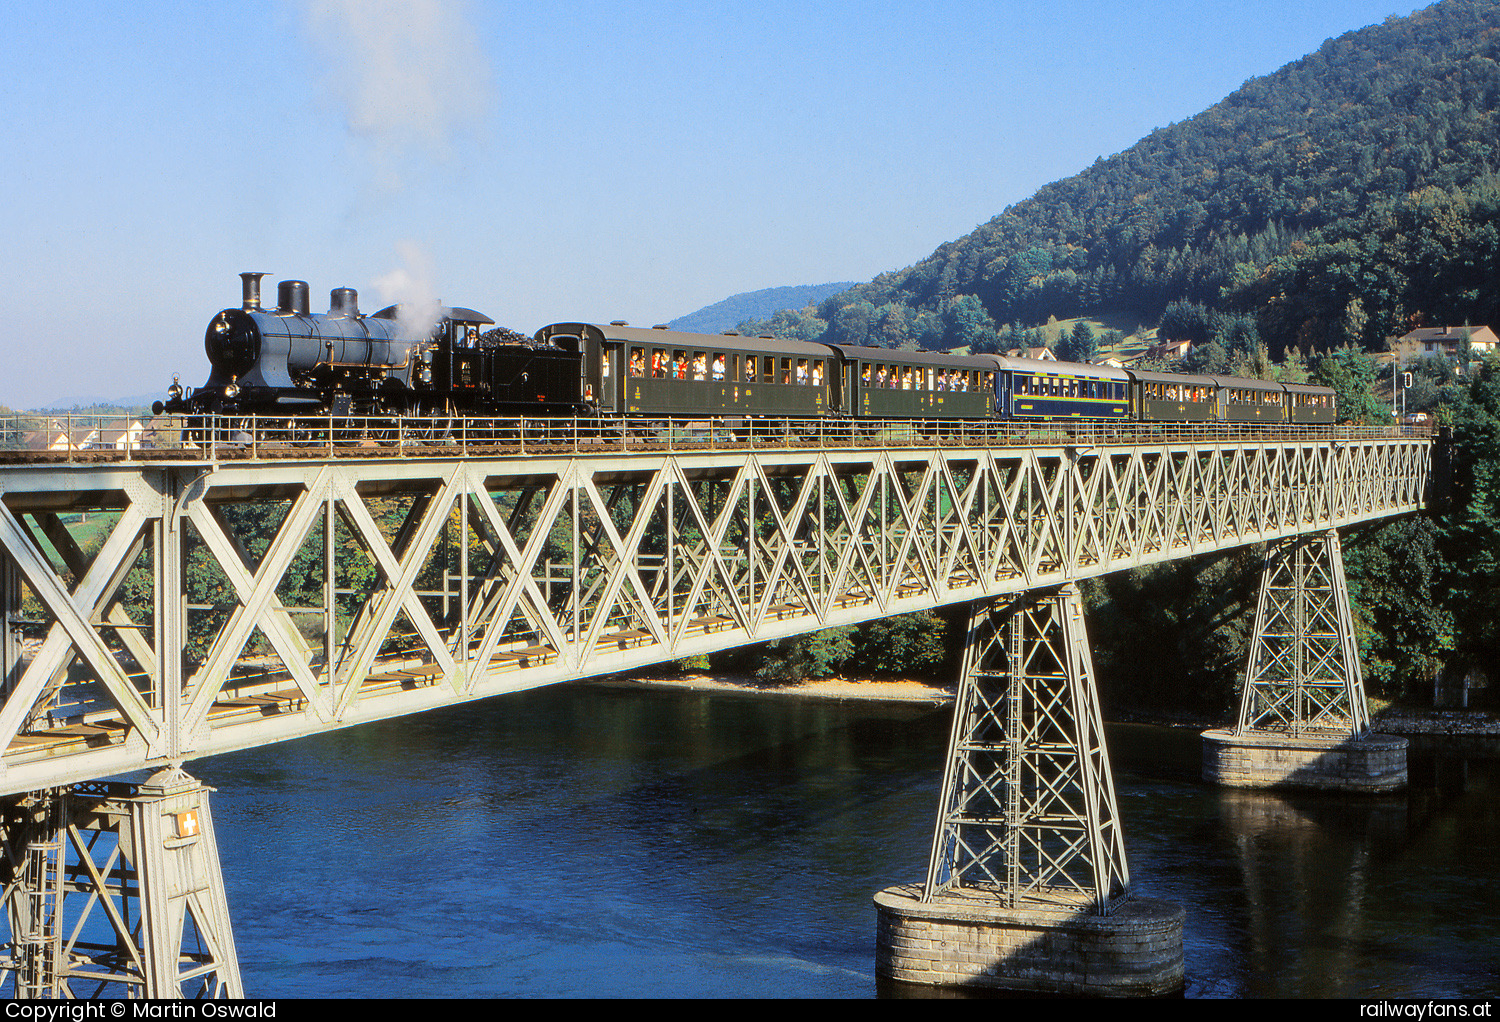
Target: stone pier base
(970, 941)
(1368, 763)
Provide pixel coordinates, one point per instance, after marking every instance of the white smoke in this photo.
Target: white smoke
(410, 74)
(411, 78)
(413, 287)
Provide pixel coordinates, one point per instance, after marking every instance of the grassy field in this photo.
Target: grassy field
(89, 531)
(1133, 346)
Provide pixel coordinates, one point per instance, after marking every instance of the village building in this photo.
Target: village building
(1446, 342)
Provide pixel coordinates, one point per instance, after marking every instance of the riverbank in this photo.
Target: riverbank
(1400, 720)
(904, 690)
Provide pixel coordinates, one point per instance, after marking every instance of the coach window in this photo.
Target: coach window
(658, 363)
(817, 372)
(749, 368)
(786, 370)
(637, 362)
(802, 372)
(734, 367)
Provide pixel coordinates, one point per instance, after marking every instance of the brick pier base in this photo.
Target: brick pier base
(970, 941)
(1368, 763)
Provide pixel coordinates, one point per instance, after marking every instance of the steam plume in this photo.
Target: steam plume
(412, 286)
(409, 73)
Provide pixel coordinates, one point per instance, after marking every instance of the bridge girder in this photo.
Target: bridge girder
(433, 580)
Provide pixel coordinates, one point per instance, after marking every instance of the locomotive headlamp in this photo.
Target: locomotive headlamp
(175, 390)
(232, 391)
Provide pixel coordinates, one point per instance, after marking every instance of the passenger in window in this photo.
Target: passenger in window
(718, 367)
(637, 362)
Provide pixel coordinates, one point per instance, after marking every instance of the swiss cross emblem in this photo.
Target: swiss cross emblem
(187, 823)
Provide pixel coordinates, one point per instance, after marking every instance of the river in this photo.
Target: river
(587, 840)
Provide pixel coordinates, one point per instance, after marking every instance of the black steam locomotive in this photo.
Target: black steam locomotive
(400, 361)
(290, 364)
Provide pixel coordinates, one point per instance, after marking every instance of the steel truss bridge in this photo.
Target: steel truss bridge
(179, 604)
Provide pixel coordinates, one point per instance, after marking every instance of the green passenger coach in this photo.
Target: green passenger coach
(886, 383)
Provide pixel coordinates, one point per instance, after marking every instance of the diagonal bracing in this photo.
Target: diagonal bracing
(196, 623)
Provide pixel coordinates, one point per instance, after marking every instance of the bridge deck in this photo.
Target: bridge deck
(203, 607)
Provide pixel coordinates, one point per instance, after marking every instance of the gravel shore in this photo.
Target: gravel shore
(1391, 720)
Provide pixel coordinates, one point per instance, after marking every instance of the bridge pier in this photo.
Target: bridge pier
(1027, 885)
(1304, 721)
(114, 890)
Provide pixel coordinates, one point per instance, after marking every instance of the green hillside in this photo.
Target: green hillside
(1348, 196)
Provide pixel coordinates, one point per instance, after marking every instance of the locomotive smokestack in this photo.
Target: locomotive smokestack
(291, 298)
(250, 288)
(343, 301)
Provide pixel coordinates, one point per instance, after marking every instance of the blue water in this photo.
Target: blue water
(593, 841)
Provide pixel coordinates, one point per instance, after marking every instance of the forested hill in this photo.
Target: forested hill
(1347, 196)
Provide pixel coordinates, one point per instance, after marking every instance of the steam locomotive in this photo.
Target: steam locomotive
(400, 361)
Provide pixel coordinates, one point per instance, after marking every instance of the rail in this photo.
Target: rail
(104, 438)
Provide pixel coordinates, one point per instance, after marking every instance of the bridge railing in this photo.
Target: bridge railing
(94, 438)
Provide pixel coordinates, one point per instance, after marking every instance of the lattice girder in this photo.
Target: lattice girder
(500, 574)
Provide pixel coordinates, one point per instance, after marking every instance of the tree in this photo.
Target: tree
(1184, 320)
(1471, 525)
(967, 324)
(1404, 630)
(1351, 373)
(1080, 345)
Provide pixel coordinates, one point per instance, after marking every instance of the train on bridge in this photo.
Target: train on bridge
(288, 362)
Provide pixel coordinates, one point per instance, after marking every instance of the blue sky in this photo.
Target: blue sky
(543, 162)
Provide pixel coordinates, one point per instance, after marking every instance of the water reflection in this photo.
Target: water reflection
(590, 841)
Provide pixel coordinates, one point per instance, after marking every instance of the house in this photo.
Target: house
(1040, 354)
(1446, 341)
(1171, 351)
(117, 435)
(59, 435)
